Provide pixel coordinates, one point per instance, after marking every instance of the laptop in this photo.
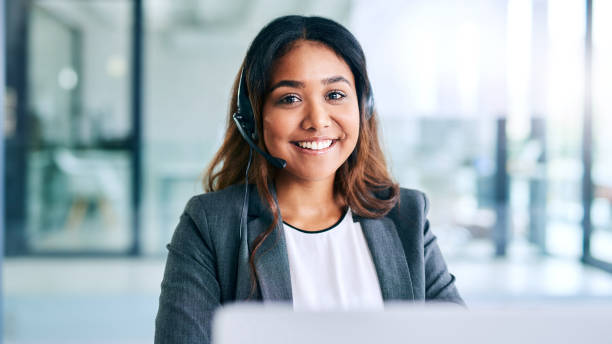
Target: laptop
(401, 322)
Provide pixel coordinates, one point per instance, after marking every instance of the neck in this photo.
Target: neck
(306, 199)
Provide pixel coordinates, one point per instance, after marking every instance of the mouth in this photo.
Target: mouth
(319, 145)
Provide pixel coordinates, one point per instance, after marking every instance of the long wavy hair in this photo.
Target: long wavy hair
(362, 181)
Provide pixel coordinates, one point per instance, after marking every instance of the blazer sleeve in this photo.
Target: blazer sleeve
(190, 291)
(439, 283)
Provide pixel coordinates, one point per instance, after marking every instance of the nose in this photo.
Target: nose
(317, 117)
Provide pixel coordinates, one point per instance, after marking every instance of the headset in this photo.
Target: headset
(245, 122)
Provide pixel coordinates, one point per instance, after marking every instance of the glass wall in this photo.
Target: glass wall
(439, 84)
(77, 173)
(564, 113)
(481, 110)
(601, 212)
(457, 71)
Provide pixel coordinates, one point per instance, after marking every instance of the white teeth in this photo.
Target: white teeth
(315, 145)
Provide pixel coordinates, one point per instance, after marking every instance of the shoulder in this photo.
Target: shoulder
(217, 203)
(410, 212)
(412, 201)
(409, 218)
(219, 198)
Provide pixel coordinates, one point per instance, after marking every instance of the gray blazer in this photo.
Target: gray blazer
(207, 263)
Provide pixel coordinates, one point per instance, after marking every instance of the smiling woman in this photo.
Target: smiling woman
(311, 120)
(328, 229)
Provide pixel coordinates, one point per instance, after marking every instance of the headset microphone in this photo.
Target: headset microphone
(245, 122)
(278, 162)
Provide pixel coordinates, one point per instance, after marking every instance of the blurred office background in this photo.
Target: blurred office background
(499, 110)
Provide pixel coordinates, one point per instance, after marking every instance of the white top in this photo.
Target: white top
(332, 268)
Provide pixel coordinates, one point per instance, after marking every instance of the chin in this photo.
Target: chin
(311, 175)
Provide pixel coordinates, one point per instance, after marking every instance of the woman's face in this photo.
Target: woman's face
(311, 115)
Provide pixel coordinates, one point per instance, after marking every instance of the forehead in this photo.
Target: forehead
(309, 60)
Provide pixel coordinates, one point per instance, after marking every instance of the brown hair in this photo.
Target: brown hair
(363, 180)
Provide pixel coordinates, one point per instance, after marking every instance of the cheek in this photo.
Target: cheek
(274, 131)
(354, 137)
(351, 126)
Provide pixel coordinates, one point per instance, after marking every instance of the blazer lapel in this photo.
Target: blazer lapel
(389, 258)
(271, 260)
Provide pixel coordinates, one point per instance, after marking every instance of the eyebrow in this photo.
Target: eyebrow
(299, 84)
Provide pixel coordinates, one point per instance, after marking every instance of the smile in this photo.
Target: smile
(318, 146)
(315, 145)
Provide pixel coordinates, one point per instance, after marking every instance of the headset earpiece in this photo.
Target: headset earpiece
(245, 122)
(245, 110)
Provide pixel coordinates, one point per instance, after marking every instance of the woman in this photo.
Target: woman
(319, 222)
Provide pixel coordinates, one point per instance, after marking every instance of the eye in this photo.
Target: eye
(289, 99)
(335, 95)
